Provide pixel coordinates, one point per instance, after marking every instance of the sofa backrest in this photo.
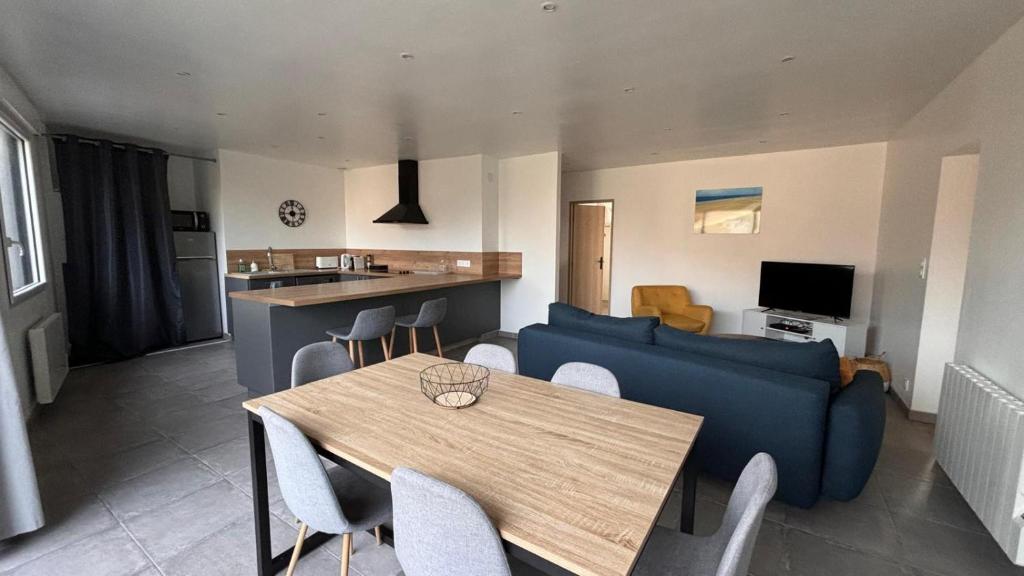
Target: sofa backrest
(818, 360)
(639, 330)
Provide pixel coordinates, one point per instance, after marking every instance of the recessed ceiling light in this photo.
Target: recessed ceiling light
(184, 74)
(654, 153)
(763, 141)
(321, 114)
(408, 138)
(549, 7)
(319, 137)
(629, 90)
(667, 129)
(783, 114)
(517, 113)
(407, 55)
(788, 59)
(274, 146)
(222, 114)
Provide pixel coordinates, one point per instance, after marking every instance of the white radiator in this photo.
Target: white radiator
(49, 357)
(979, 442)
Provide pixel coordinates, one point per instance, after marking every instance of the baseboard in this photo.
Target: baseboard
(512, 335)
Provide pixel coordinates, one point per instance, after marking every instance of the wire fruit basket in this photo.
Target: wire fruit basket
(454, 384)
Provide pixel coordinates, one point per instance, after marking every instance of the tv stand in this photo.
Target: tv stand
(849, 337)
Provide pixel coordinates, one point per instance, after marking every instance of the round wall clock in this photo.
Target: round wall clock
(292, 213)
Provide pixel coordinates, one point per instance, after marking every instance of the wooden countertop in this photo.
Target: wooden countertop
(289, 273)
(295, 296)
(574, 477)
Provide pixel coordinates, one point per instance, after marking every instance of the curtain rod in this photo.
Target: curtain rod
(145, 149)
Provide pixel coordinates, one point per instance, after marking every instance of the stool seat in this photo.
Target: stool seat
(408, 321)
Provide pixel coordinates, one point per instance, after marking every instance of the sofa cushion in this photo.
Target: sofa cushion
(683, 322)
(632, 329)
(818, 360)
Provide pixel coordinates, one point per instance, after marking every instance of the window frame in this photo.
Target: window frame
(22, 130)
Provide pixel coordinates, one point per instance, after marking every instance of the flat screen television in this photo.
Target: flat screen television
(824, 289)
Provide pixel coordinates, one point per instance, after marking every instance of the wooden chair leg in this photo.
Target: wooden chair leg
(437, 341)
(384, 346)
(360, 346)
(352, 351)
(415, 340)
(334, 339)
(298, 549)
(346, 551)
(376, 532)
(391, 343)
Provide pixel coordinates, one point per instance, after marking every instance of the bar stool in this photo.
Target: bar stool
(369, 325)
(431, 314)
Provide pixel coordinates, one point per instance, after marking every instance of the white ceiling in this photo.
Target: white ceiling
(707, 74)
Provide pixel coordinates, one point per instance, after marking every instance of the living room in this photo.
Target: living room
(881, 141)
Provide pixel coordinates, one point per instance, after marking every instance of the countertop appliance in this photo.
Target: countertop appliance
(346, 262)
(200, 285)
(358, 263)
(323, 262)
(190, 220)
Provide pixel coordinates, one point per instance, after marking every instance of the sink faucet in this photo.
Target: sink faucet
(270, 257)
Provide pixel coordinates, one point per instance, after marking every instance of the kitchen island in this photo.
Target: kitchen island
(270, 325)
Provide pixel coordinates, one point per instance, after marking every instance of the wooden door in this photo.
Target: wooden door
(587, 259)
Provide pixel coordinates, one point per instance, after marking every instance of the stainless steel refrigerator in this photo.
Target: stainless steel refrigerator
(200, 287)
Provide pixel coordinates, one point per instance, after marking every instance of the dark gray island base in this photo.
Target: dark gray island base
(267, 335)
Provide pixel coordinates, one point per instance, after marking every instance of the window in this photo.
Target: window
(19, 225)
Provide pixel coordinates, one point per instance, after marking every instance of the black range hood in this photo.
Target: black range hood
(408, 210)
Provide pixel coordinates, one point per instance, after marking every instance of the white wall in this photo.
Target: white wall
(451, 195)
(981, 109)
(819, 206)
(251, 188)
(947, 266)
(529, 212)
(181, 183)
(17, 319)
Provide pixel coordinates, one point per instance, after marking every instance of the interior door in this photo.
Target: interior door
(587, 258)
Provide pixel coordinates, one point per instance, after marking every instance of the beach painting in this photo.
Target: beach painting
(728, 211)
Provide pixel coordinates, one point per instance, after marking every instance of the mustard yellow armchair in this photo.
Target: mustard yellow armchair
(672, 305)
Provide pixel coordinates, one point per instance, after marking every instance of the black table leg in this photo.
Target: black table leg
(260, 503)
(686, 518)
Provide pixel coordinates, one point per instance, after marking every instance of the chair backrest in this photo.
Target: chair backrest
(492, 356)
(742, 521)
(587, 377)
(432, 313)
(304, 483)
(319, 360)
(373, 323)
(441, 531)
(668, 298)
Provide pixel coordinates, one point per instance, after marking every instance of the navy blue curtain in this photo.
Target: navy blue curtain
(123, 293)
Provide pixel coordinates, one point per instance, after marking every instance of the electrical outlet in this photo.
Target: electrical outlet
(463, 263)
(906, 384)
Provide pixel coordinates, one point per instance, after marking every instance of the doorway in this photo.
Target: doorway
(590, 255)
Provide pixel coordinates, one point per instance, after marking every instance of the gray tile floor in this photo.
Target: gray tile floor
(144, 470)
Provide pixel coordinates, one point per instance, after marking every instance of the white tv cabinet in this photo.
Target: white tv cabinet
(849, 336)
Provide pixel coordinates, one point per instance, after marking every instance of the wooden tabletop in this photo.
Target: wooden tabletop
(357, 289)
(574, 477)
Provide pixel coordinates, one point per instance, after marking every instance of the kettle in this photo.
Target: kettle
(347, 262)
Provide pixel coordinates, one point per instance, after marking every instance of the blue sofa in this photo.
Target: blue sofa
(755, 396)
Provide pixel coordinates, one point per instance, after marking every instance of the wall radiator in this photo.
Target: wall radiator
(979, 442)
(49, 357)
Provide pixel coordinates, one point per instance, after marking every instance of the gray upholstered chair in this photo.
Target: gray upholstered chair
(369, 325)
(431, 314)
(319, 360)
(492, 356)
(728, 551)
(442, 531)
(587, 377)
(335, 502)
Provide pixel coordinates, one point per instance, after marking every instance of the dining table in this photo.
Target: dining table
(573, 481)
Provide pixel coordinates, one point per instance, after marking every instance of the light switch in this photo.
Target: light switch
(463, 263)
(923, 273)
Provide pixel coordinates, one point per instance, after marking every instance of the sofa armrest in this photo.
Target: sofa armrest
(702, 313)
(639, 311)
(854, 438)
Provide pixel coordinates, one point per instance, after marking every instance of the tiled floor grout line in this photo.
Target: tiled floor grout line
(132, 536)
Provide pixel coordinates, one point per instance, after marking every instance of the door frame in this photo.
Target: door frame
(611, 246)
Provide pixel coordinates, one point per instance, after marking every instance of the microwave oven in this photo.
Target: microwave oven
(190, 220)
